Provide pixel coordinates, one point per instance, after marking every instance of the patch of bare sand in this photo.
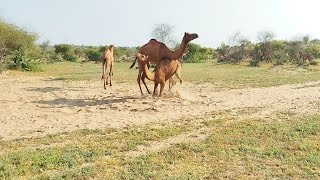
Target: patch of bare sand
(36, 106)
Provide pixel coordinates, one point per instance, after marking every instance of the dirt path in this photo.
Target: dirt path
(36, 106)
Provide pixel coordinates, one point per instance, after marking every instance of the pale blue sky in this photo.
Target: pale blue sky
(130, 22)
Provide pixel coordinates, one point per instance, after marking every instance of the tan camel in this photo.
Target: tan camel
(157, 51)
(172, 82)
(107, 60)
(164, 71)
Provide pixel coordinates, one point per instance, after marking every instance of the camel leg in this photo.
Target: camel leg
(102, 63)
(155, 88)
(172, 83)
(179, 77)
(110, 74)
(143, 79)
(161, 88)
(112, 68)
(104, 74)
(107, 74)
(178, 71)
(138, 79)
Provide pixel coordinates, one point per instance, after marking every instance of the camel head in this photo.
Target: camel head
(189, 37)
(142, 57)
(111, 47)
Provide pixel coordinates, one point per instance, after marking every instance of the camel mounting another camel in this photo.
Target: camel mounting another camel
(107, 60)
(157, 51)
(164, 71)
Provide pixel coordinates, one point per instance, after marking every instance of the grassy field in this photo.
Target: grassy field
(288, 148)
(222, 75)
(232, 149)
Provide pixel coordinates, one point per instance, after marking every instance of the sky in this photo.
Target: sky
(130, 22)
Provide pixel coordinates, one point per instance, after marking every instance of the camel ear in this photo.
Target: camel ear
(185, 33)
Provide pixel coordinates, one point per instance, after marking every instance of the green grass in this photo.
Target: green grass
(285, 149)
(222, 75)
(65, 154)
(241, 150)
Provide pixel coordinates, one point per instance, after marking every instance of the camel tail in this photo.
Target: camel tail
(134, 62)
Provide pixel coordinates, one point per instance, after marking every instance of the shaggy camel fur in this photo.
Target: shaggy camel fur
(157, 51)
(164, 71)
(107, 60)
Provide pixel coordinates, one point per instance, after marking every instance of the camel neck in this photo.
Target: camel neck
(111, 51)
(179, 52)
(149, 75)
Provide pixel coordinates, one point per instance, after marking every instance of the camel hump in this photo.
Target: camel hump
(153, 40)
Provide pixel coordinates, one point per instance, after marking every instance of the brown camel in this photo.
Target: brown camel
(107, 60)
(164, 71)
(157, 51)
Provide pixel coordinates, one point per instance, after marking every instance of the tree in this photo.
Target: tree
(93, 54)
(44, 45)
(237, 39)
(223, 53)
(314, 49)
(164, 33)
(67, 51)
(13, 38)
(239, 48)
(265, 50)
(265, 36)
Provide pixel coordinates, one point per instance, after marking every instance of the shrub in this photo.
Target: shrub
(21, 61)
(93, 54)
(195, 57)
(13, 38)
(67, 51)
(314, 63)
(280, 57)
(254, 62)
(52, 57)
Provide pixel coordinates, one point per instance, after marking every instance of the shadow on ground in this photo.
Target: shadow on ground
(44, 89)
(65, 102)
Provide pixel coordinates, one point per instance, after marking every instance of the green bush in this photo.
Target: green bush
(93, 54)
(21, 61)
(280, 57)
(195, 57)
(13, 38)
(314, 49)
(198, 54)
(67, 51)
(254, 62)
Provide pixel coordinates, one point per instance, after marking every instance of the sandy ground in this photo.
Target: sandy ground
(36, 106)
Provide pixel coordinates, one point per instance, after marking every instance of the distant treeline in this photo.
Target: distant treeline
(278, 52)
(19, 50)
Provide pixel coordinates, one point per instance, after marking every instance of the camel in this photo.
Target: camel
(107, 60)
(157, 51)
(164, 71)
(172, 82)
